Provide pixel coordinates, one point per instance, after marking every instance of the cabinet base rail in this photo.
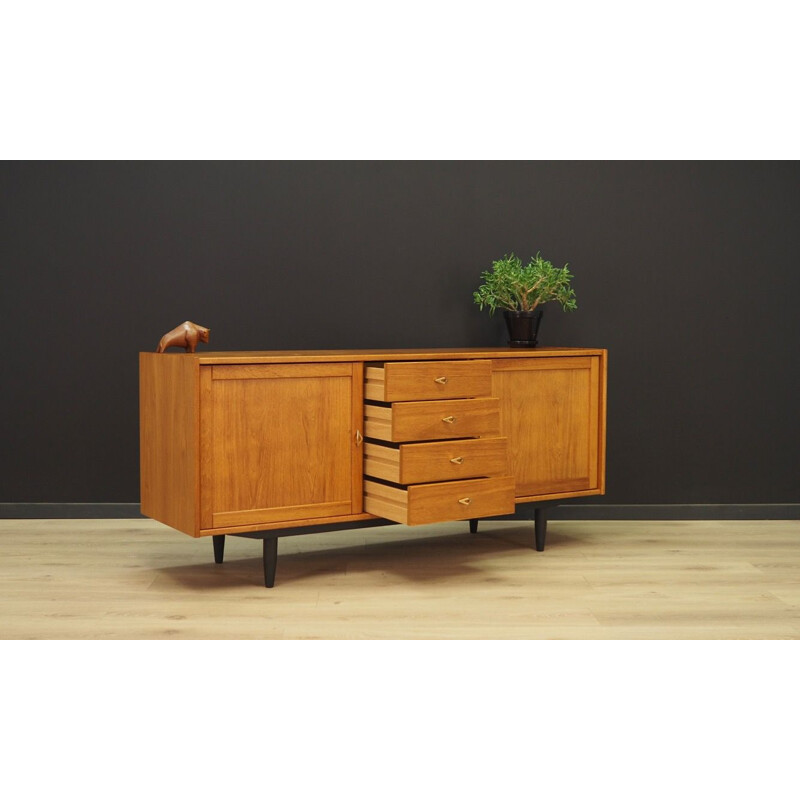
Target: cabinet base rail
(270, 538)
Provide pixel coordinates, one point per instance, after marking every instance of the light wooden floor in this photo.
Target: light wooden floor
(137, 579)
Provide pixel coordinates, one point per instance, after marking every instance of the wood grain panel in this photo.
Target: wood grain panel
(433, 502)
(563, 362)
(425, 420)
(426, 462)
(429, 380)
(382, 462)
(374, 384)
(594, 421)
(378, 422)
(550, 413)
(389, 502)
(206, 474)
(409, 354)
(168, 439)
(280, 442)
(357, 437)
(287, 524)
(440, 502)
(601, 424)
(261, 371)
(454, 460)
(259, 516)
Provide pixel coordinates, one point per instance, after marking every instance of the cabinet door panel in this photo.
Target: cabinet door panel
(550, 412)
(278, 443)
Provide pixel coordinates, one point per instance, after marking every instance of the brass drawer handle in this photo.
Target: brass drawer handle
(457, 460)
(465, 501)
(451, 419)
(442, 380)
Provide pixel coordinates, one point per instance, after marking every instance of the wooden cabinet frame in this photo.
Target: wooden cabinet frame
(202, 472)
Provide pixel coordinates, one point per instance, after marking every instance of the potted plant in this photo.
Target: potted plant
(521, 291)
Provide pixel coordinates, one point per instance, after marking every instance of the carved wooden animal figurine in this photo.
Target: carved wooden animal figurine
(186, 335)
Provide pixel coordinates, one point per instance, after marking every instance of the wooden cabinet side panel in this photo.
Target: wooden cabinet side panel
(168, 439)
(601, 422)
(594, 421)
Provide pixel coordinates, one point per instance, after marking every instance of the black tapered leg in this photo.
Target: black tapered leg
(540, 532)
(270, 560)
(473, 526)
(219, 547)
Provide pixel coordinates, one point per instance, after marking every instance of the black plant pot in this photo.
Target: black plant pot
(523, 327)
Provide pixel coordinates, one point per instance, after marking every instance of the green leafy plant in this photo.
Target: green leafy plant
(515, 287)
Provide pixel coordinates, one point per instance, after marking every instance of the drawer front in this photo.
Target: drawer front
(434, 419)
(440, 502)
(429, 380)
(438, 461)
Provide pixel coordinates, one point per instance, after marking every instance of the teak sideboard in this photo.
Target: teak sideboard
(263, 444)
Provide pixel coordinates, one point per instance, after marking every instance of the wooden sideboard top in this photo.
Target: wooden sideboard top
(420, 354)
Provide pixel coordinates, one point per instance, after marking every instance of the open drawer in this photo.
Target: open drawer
(427, 462)
(428, 380)
(440, 502)
(433, 419)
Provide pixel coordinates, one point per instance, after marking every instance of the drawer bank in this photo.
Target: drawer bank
(266, 444)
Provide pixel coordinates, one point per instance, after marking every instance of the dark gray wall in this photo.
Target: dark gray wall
(686, 272)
